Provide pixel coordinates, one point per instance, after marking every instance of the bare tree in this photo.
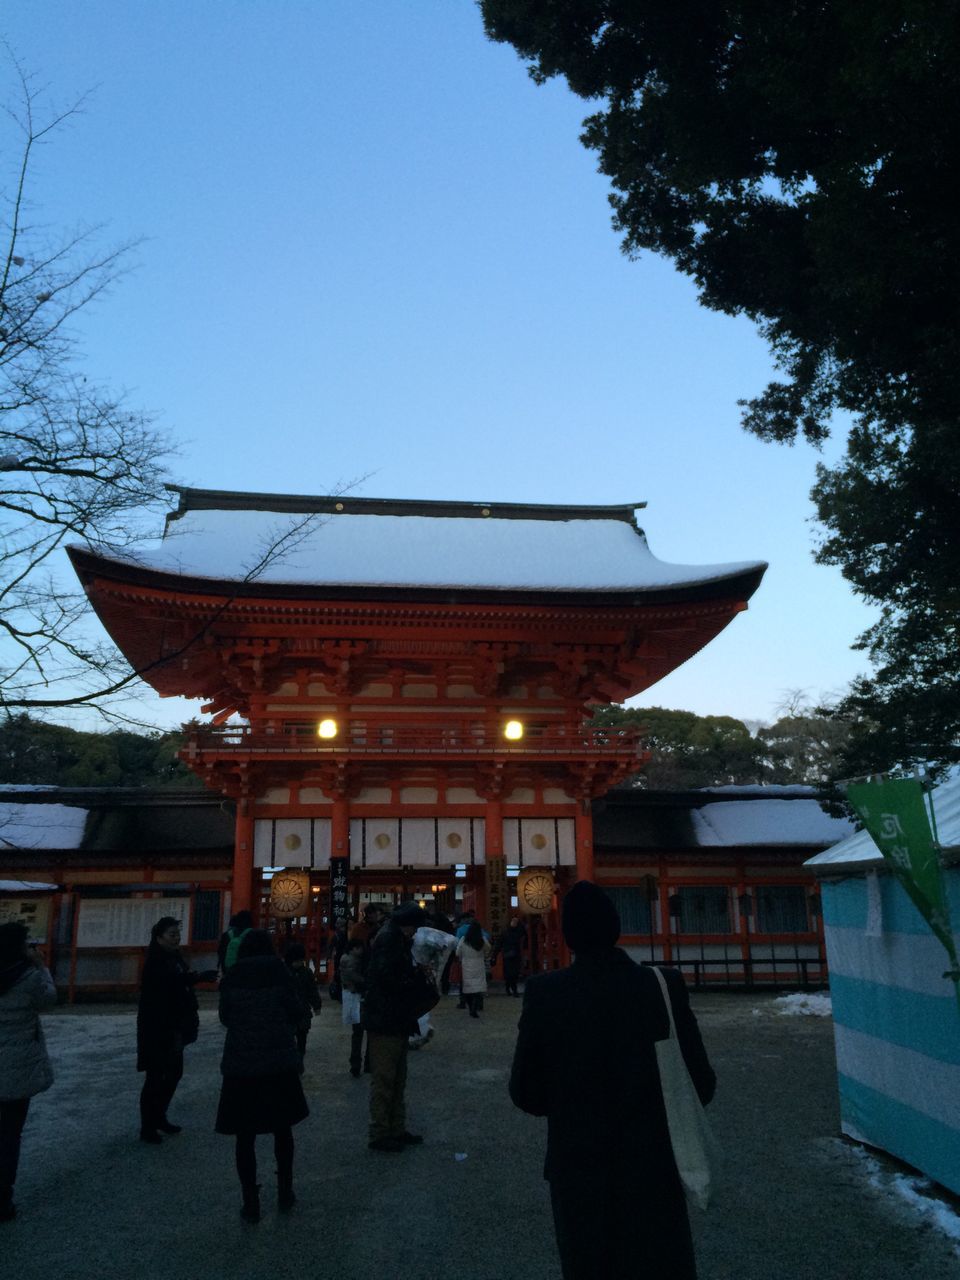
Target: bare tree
(75, 463)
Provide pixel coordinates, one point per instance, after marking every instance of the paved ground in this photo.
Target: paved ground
(95, 1202)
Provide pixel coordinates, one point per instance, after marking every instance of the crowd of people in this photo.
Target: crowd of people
(586, 1058)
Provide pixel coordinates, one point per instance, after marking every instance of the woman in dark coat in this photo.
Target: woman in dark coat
(167, 1019)
(586, 1059)
(261, 1091)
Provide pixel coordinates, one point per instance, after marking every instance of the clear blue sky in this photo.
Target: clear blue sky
(374, 251)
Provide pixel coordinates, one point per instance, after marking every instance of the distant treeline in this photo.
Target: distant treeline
(35, 752)
(686, 750)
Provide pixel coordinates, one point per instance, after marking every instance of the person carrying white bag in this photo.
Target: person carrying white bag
(598, 1053)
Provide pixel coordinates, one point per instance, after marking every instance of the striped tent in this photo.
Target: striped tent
(896, 1017)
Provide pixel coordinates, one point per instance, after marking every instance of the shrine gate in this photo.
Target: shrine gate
(402, 690)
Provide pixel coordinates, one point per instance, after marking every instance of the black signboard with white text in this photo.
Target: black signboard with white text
(339, 889)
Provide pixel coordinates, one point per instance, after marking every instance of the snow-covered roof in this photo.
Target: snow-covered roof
(376, 543)
(41, 826)
(859, 850)
(768, 823)
(26, 886)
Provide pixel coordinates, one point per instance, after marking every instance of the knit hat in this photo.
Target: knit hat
(408, 913)
(589, 919)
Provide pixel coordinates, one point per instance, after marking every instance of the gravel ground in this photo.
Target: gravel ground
(797, 1203)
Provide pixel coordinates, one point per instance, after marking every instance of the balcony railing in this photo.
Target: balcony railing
(405, 739)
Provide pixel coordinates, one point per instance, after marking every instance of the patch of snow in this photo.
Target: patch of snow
(41, 826)
(767, 822)
(917, 1192)
(26, 886)
(422, 551)
(817, 1003)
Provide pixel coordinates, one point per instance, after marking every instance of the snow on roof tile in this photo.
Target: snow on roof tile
(41, 826)
(434, 545)
(768, 823)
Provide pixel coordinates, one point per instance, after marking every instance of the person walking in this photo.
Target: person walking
(510, 945)
(353, 966)
(26, 987)
(261, 1090)
(395, 1000)
(586, 1059)
(473, 951)
(307, 990)
(240, 924)
(167, 1020)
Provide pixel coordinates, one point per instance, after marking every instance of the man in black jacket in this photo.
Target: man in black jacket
(393, 987)
(586, 1059)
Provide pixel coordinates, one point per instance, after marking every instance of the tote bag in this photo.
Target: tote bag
(695, 1149)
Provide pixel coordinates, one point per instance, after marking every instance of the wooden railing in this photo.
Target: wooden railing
(398, 738)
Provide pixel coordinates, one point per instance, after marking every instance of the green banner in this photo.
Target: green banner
(894, 812)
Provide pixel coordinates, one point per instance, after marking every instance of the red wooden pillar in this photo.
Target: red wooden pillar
(493, 848)
(583, 827)
(340, 828)
(242, 899)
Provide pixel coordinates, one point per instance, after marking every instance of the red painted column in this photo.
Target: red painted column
(242, 898)
(493, 848)
(340, 828)
(583, 827)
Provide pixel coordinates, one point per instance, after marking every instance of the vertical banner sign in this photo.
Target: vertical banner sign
(894, 813)
(339, 889)
(497, 900)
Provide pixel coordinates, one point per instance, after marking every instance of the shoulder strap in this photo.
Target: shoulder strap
(665, 992)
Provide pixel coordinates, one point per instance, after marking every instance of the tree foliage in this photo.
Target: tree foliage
(797, 162)
(75, 464)
(803, 746)
(33, 752)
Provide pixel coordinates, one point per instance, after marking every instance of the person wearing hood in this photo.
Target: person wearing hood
(261, 1090)
(394, 1002)
(167, 1020)
(586, 1059)
(25, 988)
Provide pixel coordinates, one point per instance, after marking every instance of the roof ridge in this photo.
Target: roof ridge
(191, 499)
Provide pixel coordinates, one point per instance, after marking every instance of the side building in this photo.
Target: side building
(711, 881)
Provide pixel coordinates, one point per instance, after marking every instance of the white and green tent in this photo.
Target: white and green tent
(896, 1016)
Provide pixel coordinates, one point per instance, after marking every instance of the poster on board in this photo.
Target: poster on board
(126, 922)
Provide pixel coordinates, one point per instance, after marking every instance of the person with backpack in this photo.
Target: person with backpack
(240, 925)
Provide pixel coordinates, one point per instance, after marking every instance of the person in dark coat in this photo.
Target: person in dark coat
(261, 1090)
(167, 1019)
(391, 1018)
(308, 993)
(586, 1059)
(26, 987)
(510, 945)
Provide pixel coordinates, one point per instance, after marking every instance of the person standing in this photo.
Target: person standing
(510, 945)
(586, 1059)
(261, 1090)
(394, 988)
(308, 993)
(240, 924)
(167, 1020)
(473, 951)
(26, 987)
(353, 965)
